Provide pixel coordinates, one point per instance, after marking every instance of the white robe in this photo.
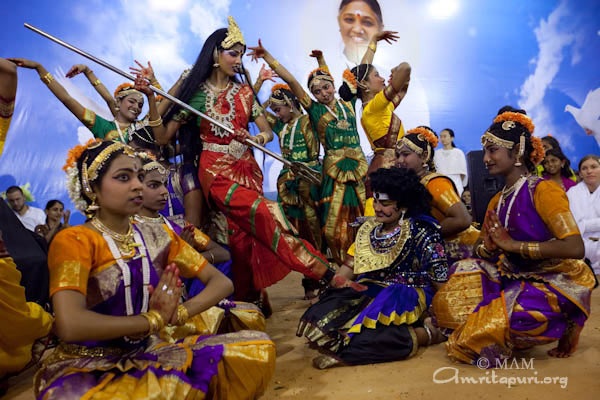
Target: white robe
(453, 164)
(585, 207)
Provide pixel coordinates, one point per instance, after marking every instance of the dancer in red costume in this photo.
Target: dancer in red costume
(263, 244)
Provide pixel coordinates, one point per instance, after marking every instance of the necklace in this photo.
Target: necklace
(127, 242)
(293, 133)
(214, 103)
(341, 123)
(127, 130)
(516, 188)
(161, 219)
(388, 235)
(126, 271)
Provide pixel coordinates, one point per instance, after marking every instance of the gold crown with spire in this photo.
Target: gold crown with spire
(234, 35)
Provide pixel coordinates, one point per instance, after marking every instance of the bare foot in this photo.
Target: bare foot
(568, 343)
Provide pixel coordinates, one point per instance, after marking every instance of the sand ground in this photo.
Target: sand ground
(577, 377)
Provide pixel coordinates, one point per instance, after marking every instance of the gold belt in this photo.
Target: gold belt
(235, 148)
(84, 351)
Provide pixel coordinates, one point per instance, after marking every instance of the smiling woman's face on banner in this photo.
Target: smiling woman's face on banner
(358, 22)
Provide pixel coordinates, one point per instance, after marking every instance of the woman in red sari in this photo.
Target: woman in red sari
(263, 244)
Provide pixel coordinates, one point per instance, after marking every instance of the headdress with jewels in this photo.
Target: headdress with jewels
(234, 35)
(79, 183)
(124, 90)
(317, 75)
(512, 127)
(282, 95)
(421, 140)
(149, 164)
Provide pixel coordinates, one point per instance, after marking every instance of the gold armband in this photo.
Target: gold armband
(182, 315)
(373, 46)
(47, 79)
(274, 64)
(96, 83)
(522, 249)
(155, 123)
(155, 83)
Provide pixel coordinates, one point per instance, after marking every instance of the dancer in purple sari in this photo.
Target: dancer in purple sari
(530, 285)
(115, 289)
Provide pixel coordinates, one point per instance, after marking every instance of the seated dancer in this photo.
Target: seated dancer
(415, 151)
(263, 244)
(156, 196)
(298, 142)
(529, 287)
(129, 101)
(382, 127)
(227, 315)
(114, 286)
(344, 166)
(374, 312)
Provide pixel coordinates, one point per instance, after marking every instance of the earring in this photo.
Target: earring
(401, 217)
(92, 208)
(215, 58)
(518, 162)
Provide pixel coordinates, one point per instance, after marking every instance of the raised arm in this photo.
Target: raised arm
(154, 118)
(260, 52)
(318, 54)
(99, 86)
(56, 88)
(8, 79)
(388, 36)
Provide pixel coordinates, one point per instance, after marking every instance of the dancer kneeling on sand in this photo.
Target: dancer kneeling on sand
(115, 285)
(530, 286)
(379, 298)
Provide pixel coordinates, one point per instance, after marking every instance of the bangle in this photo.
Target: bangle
(96, 83)
(47, 78)
(182, 315)
(155, 123)
(155, 321)
(522, 250)
(533, 248)
(373, 46)
(482, 252)
(274, 64)
(155, 83)
(212, 257)
(264, 137)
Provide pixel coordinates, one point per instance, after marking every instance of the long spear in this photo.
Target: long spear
(299, 168)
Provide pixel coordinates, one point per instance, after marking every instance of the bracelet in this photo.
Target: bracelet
(155, 321)
(533, 248)
(212, 257)
(373, 46)
(482, 252)
(264, 137)
(155, 123)
(274, 64)
(47, 78)
(182, 315)
(155, 84)
(96, 83)
(522, 250)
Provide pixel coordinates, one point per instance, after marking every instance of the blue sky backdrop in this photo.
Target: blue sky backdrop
(469, 58)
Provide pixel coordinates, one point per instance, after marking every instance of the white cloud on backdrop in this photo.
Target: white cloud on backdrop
(552, 40)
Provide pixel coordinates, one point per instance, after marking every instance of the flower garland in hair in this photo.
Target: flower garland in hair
(280, 86)
(350, 80)
(538, 154)
(73, 182)
(425, 134)
(122, 86)
(516, 117)
(325, 74)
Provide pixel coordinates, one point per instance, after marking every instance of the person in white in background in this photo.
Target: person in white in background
(584, 201)
(29, 216)
(451, 161)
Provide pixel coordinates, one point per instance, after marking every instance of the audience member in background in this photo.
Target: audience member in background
(584, 201)
(549, 143)
(466, 198)
(451, 161)
(55, 211)
(29, 216)
(557, 168)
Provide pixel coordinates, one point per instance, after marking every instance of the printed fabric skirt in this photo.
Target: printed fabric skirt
(230, 366)
(489, 313)
(373, 326)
